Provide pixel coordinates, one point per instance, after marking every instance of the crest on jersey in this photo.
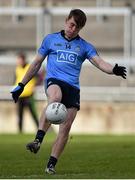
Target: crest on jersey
(77, 49)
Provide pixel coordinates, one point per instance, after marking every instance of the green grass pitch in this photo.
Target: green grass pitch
(85, 157)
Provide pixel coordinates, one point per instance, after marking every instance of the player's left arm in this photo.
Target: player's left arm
(107, 67)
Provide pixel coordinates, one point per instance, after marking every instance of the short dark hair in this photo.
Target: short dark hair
(22, 55)
(79, 17)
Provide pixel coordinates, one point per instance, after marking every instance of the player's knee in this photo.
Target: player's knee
(54, 98)
(54, 94)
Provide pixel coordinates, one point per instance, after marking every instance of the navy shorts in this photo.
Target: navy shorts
(70, 94)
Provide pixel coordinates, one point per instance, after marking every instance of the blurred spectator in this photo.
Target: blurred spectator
(27, 97)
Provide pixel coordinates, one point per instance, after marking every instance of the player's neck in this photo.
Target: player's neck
(68, 38)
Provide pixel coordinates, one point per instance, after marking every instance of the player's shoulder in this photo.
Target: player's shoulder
(53, 35)
(88, 45)
(85, 42)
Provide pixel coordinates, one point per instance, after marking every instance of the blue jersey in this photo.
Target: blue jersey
(64, 57)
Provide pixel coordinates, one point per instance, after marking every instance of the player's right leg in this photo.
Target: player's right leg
(53, 94)
(34, 146)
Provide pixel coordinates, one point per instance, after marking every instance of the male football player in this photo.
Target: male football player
(65, 51)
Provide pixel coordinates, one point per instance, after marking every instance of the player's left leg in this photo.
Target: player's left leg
(61, 140)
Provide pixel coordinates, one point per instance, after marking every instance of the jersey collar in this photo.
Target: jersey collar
(63, 35)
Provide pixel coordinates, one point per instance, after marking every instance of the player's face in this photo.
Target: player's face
(20, 61)
(71, 29)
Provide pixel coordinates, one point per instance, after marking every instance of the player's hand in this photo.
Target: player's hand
(120, 71)
(17, 91)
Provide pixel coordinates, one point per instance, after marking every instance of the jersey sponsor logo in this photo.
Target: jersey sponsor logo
(67, 56)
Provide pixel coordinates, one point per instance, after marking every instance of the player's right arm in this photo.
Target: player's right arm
(43, 51)
(32, 71)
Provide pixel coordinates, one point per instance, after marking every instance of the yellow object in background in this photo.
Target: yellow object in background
(29, 88)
